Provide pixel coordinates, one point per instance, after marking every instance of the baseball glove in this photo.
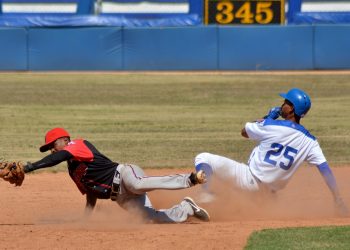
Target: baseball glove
(12, 172)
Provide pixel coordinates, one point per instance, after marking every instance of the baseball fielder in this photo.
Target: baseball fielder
(98, 177)
(282, 146)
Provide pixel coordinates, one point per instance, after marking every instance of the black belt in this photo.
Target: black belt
(115, 185)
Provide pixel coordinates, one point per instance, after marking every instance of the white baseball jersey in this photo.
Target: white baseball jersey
(283, 146)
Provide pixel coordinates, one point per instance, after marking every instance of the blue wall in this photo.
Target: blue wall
(13, 49)
(182, 48)
(75, 49)
(270, 47)
(176, 48)
(332, 47)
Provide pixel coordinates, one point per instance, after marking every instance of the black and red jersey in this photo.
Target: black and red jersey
(90, 170)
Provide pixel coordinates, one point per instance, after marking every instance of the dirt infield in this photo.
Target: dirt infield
(46, 213)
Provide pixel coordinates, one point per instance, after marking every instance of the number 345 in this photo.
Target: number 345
(288, 154)
(226, 13)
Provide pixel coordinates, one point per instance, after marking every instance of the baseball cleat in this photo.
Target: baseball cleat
(198, 212)
(198, 177)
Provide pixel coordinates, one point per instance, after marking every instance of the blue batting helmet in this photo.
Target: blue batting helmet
(300, 100)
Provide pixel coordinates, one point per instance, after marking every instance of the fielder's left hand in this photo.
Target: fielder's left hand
(13, 172)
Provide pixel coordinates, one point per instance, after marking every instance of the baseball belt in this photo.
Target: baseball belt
(115, 185)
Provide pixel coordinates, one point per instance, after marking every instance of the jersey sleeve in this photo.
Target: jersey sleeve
(49, 161)
(79, 150)
(255, 130)
(316, 156)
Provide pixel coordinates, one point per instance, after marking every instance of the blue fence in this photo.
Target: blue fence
(178, 48)
(85, 15)
(75, 49)
(81, 41)
(265, 48)
(13, 49)
(331, 47)
(170, 49)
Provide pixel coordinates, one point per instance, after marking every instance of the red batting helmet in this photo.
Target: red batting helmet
(51, 136)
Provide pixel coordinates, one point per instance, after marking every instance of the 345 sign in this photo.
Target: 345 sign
(244, 12)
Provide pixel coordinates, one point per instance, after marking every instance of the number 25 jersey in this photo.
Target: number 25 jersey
(283, 147)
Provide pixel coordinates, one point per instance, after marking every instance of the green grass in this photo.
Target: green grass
(330, 237)
(163, 120)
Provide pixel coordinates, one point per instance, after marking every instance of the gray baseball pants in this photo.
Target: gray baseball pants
(134, 186)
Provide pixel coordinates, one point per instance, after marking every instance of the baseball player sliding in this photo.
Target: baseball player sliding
(98, 177)
(282, 147)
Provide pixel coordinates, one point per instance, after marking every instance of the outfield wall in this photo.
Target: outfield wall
(177, 48)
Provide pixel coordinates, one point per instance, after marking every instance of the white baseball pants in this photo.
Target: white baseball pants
(227, 169)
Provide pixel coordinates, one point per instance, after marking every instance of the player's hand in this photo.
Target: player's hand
(274, 113)
(341, 208)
